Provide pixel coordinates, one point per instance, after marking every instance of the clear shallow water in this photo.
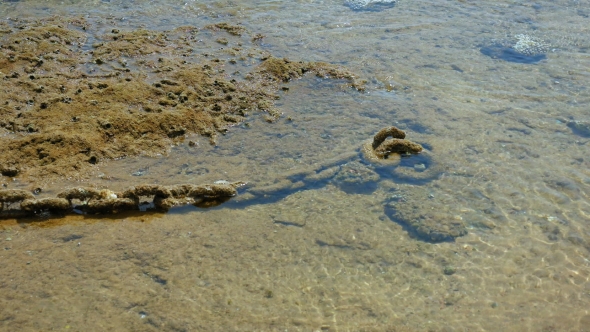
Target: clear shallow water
(324, 259)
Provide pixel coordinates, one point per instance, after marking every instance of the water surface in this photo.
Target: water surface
(310, 255)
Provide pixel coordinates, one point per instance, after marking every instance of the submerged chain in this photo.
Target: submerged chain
(98, 201)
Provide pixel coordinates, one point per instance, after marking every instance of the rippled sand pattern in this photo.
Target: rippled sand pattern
(313, 257)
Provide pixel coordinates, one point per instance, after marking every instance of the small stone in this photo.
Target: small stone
(449, 270)
(581, 128)
(268, 294)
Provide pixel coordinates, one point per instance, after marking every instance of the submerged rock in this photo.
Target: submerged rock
(522, 48)
(581, 128)
(370, 5)
(529, 45)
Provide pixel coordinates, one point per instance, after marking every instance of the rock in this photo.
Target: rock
(530, 46)
(581, 128)
(370, 5)
(522, 49)
(449, 270)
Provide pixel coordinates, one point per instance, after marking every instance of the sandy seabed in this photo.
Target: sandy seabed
(504, 155)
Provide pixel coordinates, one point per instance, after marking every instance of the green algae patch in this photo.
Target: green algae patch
(69, 104)
(285, 70)
(235, 30)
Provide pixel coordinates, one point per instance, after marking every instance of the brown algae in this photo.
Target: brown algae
(66, 108)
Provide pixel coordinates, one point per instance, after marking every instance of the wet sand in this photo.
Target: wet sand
(505, 143)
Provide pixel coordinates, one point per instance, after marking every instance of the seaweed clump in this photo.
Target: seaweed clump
(66, 109)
